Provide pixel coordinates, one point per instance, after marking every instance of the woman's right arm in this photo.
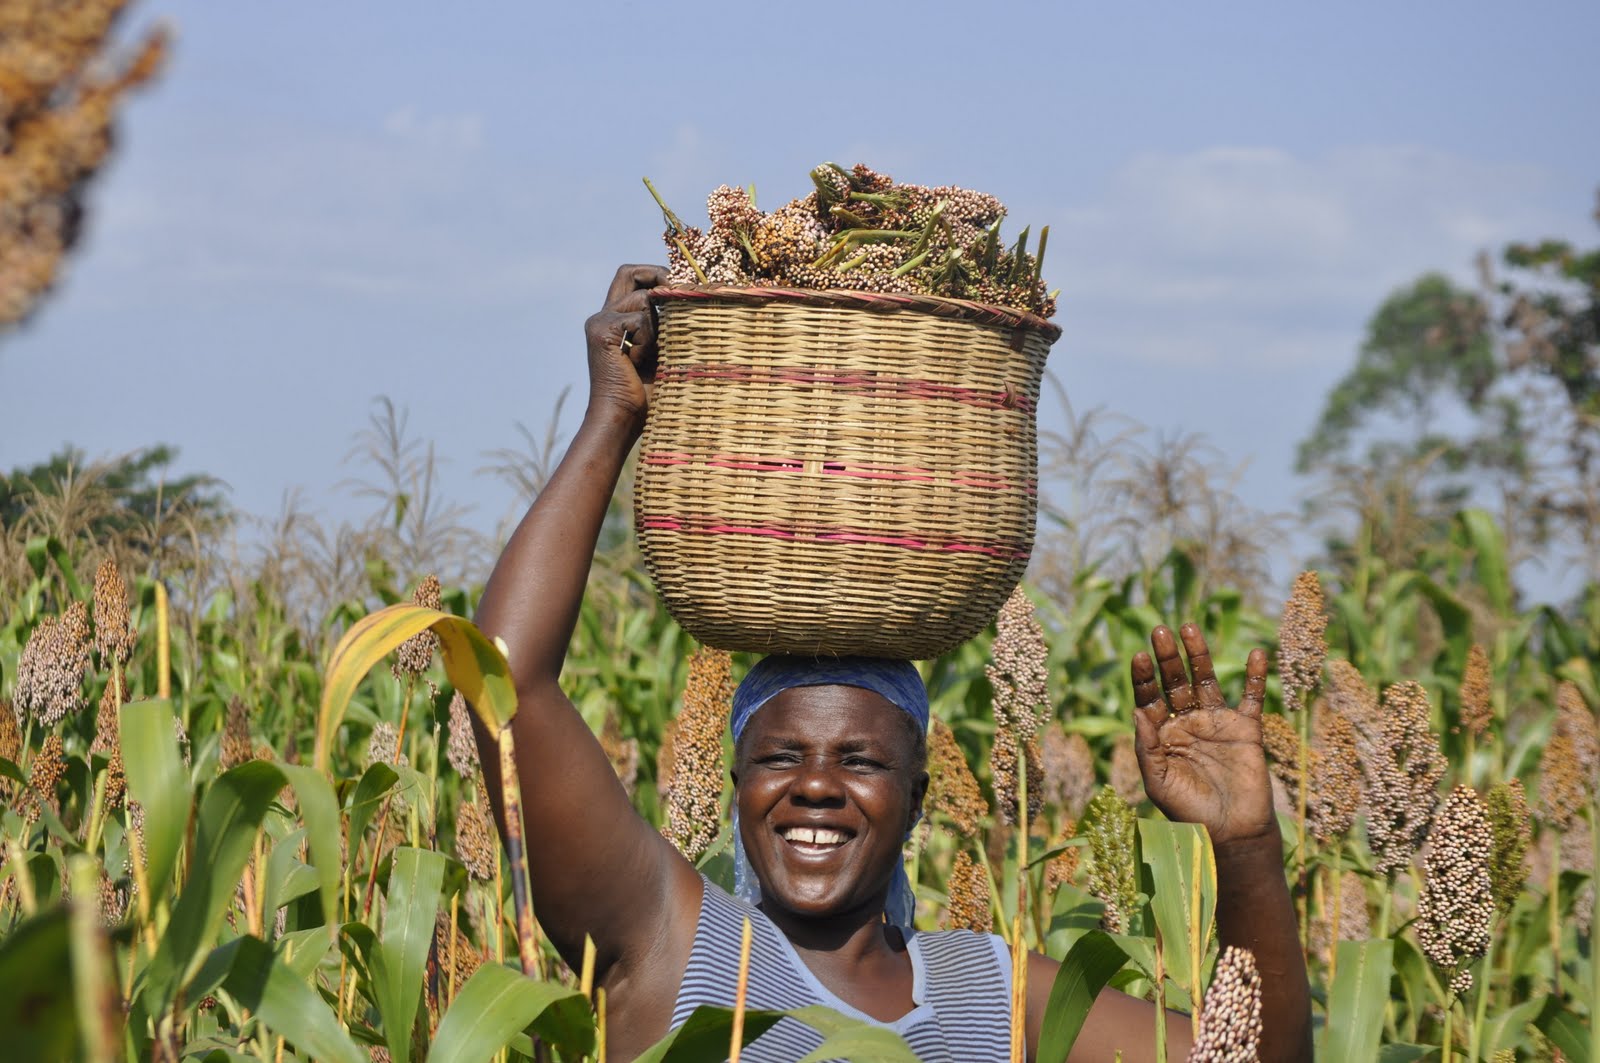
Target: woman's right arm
(596, 867)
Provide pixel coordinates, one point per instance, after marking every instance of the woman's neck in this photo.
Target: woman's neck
(854, 937)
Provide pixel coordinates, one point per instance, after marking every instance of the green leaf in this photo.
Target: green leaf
(230, 815)
(1565, 1030)
(1173, 852)
(157, 780)
(42, 547)
(851, 1039)
(1488, 545)
(368, 799)
(36, 1005)
(1400, 1053)
(1505, 1029)
(1094, 958)
(705, 1037)
(416, 879)
(1357, 999)
(475, 666)
(319, 810)
(497, 1004)
(289, 1006)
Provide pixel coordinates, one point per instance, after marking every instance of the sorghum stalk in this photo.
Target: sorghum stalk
(517, 852)
(1019, 948)
(736, 1039)
(1161, 996)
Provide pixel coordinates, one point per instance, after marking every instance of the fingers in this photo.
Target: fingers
(1174, 677)
(1255, 684)
(631, 279)
(1208, 694)
(1146, 693)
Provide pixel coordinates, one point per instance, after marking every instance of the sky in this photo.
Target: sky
(319, 204)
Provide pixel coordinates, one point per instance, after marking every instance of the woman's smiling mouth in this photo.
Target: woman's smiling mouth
(814, 840)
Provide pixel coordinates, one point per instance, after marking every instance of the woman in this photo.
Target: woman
(828, 779)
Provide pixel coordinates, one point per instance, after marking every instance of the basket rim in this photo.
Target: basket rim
(880, 302)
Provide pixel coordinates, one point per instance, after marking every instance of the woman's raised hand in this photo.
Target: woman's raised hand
(1202, 760)
(622, 345)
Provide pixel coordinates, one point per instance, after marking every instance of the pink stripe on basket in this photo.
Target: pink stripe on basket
(880, 386)
(841, 535)
(861, 471)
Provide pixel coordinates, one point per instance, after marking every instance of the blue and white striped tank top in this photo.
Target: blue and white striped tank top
(961, 987)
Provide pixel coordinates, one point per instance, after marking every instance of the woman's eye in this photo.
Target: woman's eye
(863, 763)
(780, 759)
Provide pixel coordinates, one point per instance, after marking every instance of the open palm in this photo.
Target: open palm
(1202, 760)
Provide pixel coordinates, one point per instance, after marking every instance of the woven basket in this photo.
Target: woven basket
(838, 472)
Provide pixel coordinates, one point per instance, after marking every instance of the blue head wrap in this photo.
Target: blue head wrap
(897, 682)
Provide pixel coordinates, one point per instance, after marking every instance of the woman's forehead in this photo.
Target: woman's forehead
(825, 709)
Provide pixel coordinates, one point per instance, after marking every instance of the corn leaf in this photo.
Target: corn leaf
(852, 1039)
(705, 1036)
(1084, 972)
(36, 1004)
(1565, 1030)
(1169, 851)
(288, 1005)
(157, 781)
(1482, 536)
(230, 814)
(1357, 999)
(475, 666)
(497, 1004)
(319, 810)
(400, 959)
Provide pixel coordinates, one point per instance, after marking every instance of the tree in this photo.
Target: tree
(61, 82)
(1490, 397)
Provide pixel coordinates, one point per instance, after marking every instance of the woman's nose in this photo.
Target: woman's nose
(818, 781)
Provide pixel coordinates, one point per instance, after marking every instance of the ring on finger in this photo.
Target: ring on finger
(627, 341)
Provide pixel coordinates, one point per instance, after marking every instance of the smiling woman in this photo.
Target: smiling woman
(829, 779)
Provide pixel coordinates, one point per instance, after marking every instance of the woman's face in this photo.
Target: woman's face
(827, 784)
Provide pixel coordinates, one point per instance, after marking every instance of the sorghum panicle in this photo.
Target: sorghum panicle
(1302, 640)
(113, 631)
(476, 846)
(53, 666)
(953, 791)
(1111, 871)
(1068, 770)
(1336, 795)
(1345, 692)
(1403, 786)
(1512, 827)
(622, 752)
(236, 745)
(1018, 674)
(1574, 720)
(1562, 793)
(1476, 694)
(1230, 1019)
(1063, 867)
(694, 791)
(1457, 899)
(1125, 777)
(48, 766)
(416, 653)
(968, 907)
(1577, 854)
(383, 745)
(466, 956)
(10, 733)
(462, 749)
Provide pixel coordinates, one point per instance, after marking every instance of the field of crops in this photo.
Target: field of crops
(223, 840)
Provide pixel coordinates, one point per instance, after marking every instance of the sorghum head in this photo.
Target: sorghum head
(1302, 641)
(1457, 899)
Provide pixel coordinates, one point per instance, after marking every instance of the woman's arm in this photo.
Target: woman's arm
(596, 867)
(1203, 763)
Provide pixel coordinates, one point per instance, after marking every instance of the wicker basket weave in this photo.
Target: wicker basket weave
(838, 473)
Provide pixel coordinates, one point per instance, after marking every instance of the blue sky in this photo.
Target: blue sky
(322, 203)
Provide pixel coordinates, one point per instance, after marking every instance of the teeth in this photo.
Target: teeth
(814, 836)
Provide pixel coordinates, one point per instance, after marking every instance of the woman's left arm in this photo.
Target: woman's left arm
(1203, 763)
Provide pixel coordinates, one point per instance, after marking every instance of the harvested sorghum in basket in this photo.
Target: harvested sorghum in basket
(861, 230)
